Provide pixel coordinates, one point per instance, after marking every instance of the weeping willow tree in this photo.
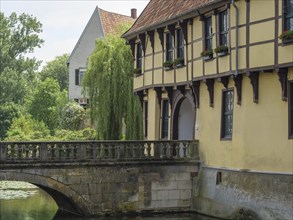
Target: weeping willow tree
(108, 84)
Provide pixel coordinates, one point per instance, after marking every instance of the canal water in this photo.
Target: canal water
(23, 201)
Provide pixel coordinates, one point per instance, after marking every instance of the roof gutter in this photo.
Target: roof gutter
(236, 35)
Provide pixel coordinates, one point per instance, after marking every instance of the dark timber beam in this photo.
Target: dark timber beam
(254, 80)
(283, 78)
(238, 84)
(210, 86)
(152, 39)
(195, 89)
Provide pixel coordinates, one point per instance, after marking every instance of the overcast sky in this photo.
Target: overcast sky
(64, 21)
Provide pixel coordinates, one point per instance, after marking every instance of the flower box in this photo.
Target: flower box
(287, 37)
(221, 50)
(178, 62)
(137, 72)
(168, 65)
(207, 54)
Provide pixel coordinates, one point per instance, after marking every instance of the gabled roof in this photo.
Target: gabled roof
(111, 21)
(159, 11)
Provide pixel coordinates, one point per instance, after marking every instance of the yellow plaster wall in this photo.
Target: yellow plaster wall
(210, 67)
(158, 77)
(242, 16)
(197, 68)
(256, 144)
(181, 74)
(169, 77)
(258, 11)
(261, 55)
(153, 115)
(157, 43)
(286, 53)
(148, 62)
(158, 60)
(241, 39)
(262, 32)
(224, 63)
(138, 82)
(148, 78)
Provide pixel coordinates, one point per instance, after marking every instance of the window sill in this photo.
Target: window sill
(208, 58)
(137, 75)
(226, 139)
(180, 66)
(168, 68)
(287, 41)
(222, 54)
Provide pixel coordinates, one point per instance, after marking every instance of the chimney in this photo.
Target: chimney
(134, 13)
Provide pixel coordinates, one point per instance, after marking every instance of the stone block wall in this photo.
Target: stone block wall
(109, 188)
(222, 193)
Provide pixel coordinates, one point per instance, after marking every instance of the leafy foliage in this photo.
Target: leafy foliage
(46, 103)
(68, 135)
(57, 69)
(108, 82)
(25, 128)
(19, 36)
(13, 86)
(8, 111)
(72, 116)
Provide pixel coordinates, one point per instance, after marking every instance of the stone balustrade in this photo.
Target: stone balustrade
(57, 151)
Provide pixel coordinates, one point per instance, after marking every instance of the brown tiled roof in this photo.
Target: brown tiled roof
(111, 21)
(158, 11)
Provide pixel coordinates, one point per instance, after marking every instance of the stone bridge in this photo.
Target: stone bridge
(104, 177)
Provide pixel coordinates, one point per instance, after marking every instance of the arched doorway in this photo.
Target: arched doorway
(186, 121)
(183, 117)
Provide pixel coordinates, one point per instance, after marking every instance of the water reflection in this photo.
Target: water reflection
(22, 201)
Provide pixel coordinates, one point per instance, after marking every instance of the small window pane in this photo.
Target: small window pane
(288, 14)
(180, 44)
(165, 118)
(227, 114)
(223, 28)
(138, 56)
(169, 47)
(208, 34)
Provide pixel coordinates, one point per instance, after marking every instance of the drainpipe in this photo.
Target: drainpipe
(236, 35)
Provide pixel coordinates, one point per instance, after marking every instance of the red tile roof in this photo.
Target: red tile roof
(111, 21)
(158, 11)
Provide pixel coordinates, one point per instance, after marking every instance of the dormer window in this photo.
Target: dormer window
(169, 47)
(180, 44)
(139, 57)
(223, 26)
(208, 34)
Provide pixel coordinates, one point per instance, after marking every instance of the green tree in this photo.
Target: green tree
(46, 103)
(72, 116)
(25, 128)
(57, 69)
(8, 111)
(18, 37)
(13, 86)
(108, 82)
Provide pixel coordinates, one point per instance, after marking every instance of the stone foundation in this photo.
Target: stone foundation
(221, 193)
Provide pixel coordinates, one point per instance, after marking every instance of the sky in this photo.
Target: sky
(64, 20)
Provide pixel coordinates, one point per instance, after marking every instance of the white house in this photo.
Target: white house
(100, 24)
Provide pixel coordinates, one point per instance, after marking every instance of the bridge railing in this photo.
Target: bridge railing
(98, 150)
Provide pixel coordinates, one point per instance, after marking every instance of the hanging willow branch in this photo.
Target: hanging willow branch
(108, 84)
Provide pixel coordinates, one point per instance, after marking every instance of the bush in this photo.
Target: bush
(72, 116)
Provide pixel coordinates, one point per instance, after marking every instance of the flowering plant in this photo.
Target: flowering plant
(221, 49)
(286, 35)
(207, 52)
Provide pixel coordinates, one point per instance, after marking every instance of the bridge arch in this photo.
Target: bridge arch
(67, 199)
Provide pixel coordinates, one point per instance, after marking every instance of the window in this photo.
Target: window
(288, 15)
(145, 119)
(79, 74)
(180, 44)
(290, 110)
(139, 56)
(223, 19)
(227, 114)
(169, 47)
(208, 34)
(165, 119)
